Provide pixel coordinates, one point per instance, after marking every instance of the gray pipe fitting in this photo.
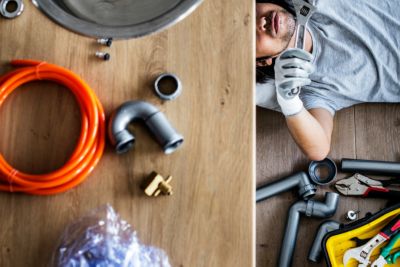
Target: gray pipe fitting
(168, 86)
(154, 119)
(309, 208)
(301, 180)
(371, 167)
(11, 8)
(316, 249)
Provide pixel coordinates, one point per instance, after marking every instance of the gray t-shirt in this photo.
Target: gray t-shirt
(356, 49)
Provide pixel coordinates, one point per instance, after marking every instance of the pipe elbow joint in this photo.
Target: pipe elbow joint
(325, 209)
(298, 207)
(123, 140)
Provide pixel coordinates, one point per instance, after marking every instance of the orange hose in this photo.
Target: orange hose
(91, 141)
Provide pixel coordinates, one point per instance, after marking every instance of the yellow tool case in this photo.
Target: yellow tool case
(337, 242)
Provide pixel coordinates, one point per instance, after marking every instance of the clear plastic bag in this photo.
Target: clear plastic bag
(103, 239)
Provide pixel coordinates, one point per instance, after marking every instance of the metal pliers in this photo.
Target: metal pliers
(386, 257)
(360, 185)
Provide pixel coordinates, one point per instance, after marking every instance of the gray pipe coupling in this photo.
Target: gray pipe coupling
(154, 119)
(168, 86)
(11, 8)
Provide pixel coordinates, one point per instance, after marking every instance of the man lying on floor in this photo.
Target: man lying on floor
(352, 56)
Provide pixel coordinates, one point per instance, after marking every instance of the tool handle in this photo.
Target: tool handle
(391, 228)
(374, 192)
(300, 40)
(391, 259)
(385, 252)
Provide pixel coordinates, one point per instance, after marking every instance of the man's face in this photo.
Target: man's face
(274, 29)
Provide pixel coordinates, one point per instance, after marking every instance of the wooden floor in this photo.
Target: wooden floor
(208, 221)
(369, 131)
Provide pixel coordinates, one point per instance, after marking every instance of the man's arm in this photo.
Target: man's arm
(312, 131)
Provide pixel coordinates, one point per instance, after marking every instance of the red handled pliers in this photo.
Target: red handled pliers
(360, 185)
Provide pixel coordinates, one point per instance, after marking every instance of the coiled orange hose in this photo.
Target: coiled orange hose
(91, 142)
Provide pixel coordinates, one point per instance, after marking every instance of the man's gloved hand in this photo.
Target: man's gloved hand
(292, 70)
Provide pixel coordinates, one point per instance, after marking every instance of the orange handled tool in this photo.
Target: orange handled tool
(91, 141)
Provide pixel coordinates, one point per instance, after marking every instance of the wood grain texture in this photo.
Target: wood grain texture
(364, 132)
(209, 219)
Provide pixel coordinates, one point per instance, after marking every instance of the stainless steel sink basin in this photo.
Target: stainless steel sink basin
(120, 19)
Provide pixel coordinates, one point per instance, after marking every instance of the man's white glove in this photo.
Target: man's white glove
(292, 70)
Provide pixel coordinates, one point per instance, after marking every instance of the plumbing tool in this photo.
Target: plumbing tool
(363, 253)
(310, 208)
(392, 258)
(360, 185)
(386, 257)
(306, 188)
(304, 10)
(370, 167)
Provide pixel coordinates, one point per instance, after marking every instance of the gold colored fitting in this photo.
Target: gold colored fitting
(156, 185)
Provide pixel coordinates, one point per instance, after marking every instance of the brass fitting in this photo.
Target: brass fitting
(156, 184)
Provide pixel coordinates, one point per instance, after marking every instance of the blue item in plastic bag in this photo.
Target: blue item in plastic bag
(103, 239)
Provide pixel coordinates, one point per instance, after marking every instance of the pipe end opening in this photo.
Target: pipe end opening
(123, 141)
(309, 194)
(125, 146)
(322, 172)
(168, 86)
(172, 146)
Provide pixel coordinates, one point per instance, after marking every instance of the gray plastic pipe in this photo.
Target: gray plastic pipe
(371, 167)
(309, 208)
(316, 249)
(306, 188)
(154, 119)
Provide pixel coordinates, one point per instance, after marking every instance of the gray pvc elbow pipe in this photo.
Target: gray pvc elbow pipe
(306, 188)
(316, 249)
(309, 208)
(122, 139)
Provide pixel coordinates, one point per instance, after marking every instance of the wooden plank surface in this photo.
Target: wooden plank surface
(367, 131)
(209, 219)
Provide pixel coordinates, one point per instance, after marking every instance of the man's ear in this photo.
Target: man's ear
(264, 62)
